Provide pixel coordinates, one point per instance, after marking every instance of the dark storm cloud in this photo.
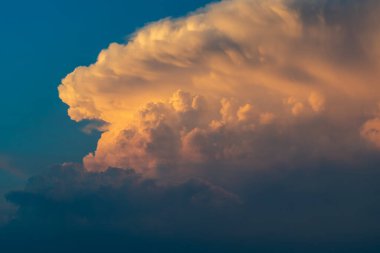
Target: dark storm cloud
(330, 205)
(69, 196)
(9, 179)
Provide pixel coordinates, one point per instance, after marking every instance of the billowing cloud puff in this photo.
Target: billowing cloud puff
(243, 83)
(371, 131)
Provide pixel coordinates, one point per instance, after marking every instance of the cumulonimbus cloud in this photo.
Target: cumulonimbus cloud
(254, 83)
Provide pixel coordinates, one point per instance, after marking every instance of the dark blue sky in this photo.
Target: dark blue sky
(42, 41)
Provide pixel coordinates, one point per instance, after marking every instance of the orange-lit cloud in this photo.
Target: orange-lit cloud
(256, 83)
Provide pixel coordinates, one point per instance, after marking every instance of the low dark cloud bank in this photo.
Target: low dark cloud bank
(326, 209)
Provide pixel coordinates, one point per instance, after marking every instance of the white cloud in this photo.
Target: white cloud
(210, 88)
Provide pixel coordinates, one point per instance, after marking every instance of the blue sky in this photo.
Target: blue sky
(41, 42)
